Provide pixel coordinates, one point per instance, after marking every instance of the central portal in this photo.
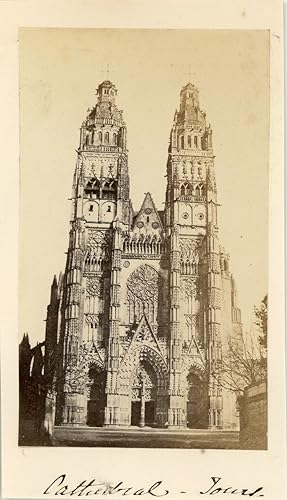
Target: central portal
(149, 414)
(143, 396)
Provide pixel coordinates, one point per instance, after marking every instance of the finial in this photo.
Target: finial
(192, 78)
(107, 71)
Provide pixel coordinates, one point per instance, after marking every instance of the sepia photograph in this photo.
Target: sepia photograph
(143, 238)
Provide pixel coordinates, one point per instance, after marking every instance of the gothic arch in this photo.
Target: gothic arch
(93, 187)
(202, 189)
(185, 189)
(136, 355)
(196, 400)
(197, 190)
(77, 375)
(90, 356)
(143, 372)
(109, 189)
(156, 360)
(194, 368)
(143, 381)
(196, 394)
(96, 382)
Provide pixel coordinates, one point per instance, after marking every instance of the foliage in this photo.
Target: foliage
(261, 315)
(244, 360)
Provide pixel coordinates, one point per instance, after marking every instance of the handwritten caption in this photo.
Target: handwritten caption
(60, 486)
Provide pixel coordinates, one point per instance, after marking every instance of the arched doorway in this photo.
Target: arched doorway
(143, 395)
(196, 401)
(96, 396)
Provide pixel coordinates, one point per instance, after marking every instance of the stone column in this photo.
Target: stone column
(72, 411)
(213, 308)
(176, 400)
(112, 414)
(142, 416)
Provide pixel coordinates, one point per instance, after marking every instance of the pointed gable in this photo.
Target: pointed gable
(145, 334)
(147, 220)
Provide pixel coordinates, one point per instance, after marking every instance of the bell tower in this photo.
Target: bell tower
(101, 181)
(100, 212)
(189, 161)
(191, 220)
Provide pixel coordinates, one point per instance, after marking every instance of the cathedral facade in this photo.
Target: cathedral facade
(138, 323)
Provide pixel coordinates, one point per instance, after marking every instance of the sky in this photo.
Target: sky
(60, 70)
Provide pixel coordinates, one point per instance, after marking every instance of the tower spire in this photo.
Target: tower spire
(190, 130)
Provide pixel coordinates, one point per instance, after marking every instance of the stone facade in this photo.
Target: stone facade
(139, 319)
(253, 417)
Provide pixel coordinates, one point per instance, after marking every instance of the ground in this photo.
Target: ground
(145, 438)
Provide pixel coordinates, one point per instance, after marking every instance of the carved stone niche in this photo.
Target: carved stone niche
(189, 256)
(187, 247)
(92, 319)
(94, 286)
(97, 239)
(189, 287)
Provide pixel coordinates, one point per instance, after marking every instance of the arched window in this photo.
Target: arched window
(93, 137)
(197, 191)
(182, 142)
(93, 188)
(109, 190)
(107, 138)
(189, 141)
(195, 141)
(114, 138)
(87, 140)
(185, 189)
(100, 137)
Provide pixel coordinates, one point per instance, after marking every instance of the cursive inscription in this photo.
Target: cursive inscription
(92, 488)
(215, 488)
(89, 488)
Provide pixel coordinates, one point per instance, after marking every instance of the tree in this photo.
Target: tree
(244, 360)
(261, 314)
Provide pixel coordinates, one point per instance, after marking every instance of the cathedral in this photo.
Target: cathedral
(138, 323)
